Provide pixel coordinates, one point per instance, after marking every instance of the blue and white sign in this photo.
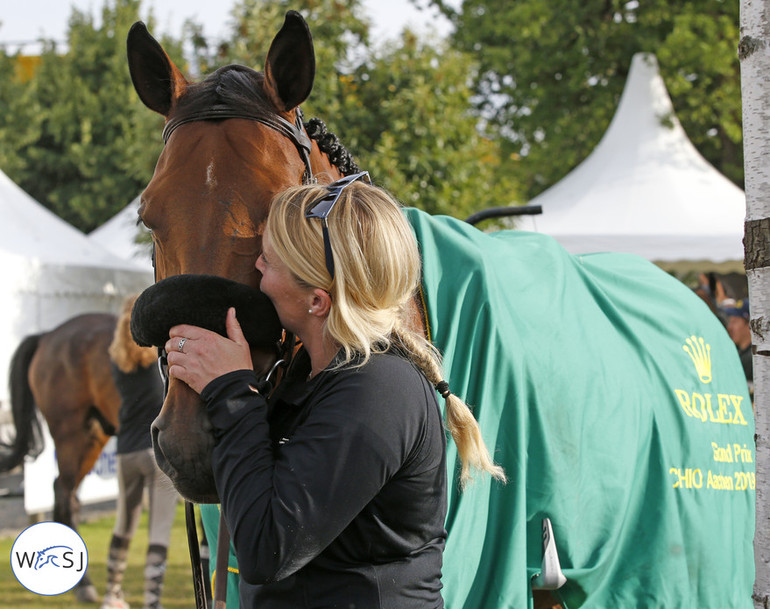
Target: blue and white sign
(100, 484)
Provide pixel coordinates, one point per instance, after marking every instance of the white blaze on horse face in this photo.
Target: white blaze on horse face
(211, 179)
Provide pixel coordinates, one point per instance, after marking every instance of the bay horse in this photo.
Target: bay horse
(610, 394)
(65, 374)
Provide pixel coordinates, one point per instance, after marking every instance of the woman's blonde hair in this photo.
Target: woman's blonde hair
(123, 350)
(376, 275)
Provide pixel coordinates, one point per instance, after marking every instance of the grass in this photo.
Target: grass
(178, 587)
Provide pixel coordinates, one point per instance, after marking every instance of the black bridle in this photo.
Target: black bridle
(294, 131)
(298, 136)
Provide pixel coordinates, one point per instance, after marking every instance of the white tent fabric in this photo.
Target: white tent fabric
(51, 273)
(645, 189)
(119, 236)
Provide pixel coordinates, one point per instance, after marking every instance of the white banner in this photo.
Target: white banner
(100, 484)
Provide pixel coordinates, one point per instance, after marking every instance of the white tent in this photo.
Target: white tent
(119, 236)
(51, 273)
(645, 189)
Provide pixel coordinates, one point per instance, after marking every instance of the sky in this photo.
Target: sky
(24, 21)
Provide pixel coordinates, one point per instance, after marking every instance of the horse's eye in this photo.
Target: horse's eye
(140, 222)
(140, 215)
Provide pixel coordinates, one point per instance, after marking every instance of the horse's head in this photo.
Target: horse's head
(233, 140)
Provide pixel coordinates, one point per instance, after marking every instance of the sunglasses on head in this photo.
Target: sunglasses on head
(322, 207)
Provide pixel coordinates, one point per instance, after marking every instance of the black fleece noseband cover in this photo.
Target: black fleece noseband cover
(203, 300)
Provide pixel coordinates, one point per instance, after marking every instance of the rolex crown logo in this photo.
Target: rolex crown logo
(700, 354)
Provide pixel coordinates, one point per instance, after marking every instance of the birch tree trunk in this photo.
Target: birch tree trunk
(754, 55)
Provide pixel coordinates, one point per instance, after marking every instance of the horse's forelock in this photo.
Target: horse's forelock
(235, 86)
(238, 80)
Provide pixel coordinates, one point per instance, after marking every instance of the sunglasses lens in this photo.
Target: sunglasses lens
(342, 182)
(321, 207)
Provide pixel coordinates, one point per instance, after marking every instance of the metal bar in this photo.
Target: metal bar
(500, 212)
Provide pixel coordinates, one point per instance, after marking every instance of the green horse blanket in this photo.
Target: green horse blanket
(617, 405)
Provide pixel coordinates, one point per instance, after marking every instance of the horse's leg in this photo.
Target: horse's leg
(76, 453)
(545, 600)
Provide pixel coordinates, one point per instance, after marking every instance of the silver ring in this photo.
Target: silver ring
(179, 347)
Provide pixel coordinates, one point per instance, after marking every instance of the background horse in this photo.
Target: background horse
(66, 373)
(608, 391)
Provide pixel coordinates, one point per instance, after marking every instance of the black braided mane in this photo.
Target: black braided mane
(330, 144)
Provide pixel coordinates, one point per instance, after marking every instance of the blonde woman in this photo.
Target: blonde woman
(335, 492)
(141, 391)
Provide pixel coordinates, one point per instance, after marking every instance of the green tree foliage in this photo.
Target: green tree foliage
(416, 130)
(551, 73)
(95, 144)
(404, 110)
(336, 27)
(19, 113)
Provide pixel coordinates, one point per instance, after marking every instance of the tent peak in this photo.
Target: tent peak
(645, 189)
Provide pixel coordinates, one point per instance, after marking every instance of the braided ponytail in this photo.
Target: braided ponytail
(460, 420)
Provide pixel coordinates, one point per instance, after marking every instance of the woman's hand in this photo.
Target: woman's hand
(198, 356)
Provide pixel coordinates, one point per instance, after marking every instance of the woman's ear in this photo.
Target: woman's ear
(320, 302)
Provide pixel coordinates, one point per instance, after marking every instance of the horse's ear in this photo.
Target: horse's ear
(156, 79)
(290, 66)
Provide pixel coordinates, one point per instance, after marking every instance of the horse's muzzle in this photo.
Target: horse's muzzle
(186, 461)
